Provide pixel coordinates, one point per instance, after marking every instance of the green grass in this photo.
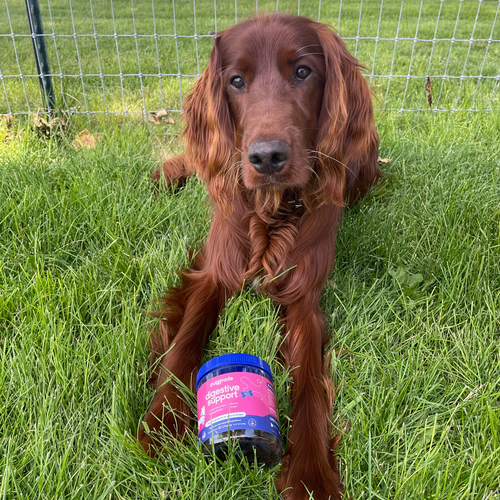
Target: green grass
(89, 56)
(413, 306)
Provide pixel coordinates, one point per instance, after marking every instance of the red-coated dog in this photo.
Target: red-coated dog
(280, 128)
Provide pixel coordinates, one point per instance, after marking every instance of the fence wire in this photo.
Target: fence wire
(139, 56)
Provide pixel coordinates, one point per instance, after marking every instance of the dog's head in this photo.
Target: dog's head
(282, 105)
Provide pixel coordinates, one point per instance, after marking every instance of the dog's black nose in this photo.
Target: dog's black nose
(268, 157)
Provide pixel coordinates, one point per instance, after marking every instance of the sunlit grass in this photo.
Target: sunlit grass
(413, 308)
(442, 48)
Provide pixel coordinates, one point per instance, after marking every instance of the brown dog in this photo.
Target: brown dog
(280, 128)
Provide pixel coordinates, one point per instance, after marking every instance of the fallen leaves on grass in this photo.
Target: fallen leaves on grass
(8, 120)
(384, 160)
(159, 117)
(55, 127)
(6, 134)
(428, 87)
(85, 139)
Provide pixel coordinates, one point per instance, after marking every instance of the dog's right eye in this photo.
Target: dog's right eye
(302, 72)
(237, 82)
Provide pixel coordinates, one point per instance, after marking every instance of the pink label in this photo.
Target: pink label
(238, 400)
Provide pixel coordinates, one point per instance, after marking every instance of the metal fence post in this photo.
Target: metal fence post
(41, 56)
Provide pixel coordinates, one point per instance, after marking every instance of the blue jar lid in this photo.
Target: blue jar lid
(232, 359)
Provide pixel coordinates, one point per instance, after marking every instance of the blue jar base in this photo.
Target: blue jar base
(249, 444)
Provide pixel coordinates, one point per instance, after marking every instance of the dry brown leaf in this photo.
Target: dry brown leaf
(40, 122)
(41, 125)
(7, 136)
(428, 87)
(157, 117)
(384, 160)
(56, 126)
(85, 139)
(152, 118)
(8, 120)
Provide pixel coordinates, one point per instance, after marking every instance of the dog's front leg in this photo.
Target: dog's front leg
(190, 315)
(309, 461)
(173, 172)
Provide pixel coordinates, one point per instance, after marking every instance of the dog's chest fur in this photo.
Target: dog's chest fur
(272, 240)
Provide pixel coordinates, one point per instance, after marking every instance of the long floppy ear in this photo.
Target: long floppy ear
(347, 141)
(209, 131)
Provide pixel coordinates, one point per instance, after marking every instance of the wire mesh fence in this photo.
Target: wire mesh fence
(138, 56)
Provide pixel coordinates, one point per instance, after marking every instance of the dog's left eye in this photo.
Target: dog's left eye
(302, 72)
(237, 82)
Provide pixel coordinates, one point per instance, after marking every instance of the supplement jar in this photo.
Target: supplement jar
(236, 402)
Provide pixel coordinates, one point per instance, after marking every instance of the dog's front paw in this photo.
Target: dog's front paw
(163, 424)
(307, 475)
(172, 174)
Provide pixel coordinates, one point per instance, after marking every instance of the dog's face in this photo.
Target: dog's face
(273, 74)
(282, 105)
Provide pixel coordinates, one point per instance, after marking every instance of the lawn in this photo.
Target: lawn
(413, 308)
(443, 30)
(86, 246)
